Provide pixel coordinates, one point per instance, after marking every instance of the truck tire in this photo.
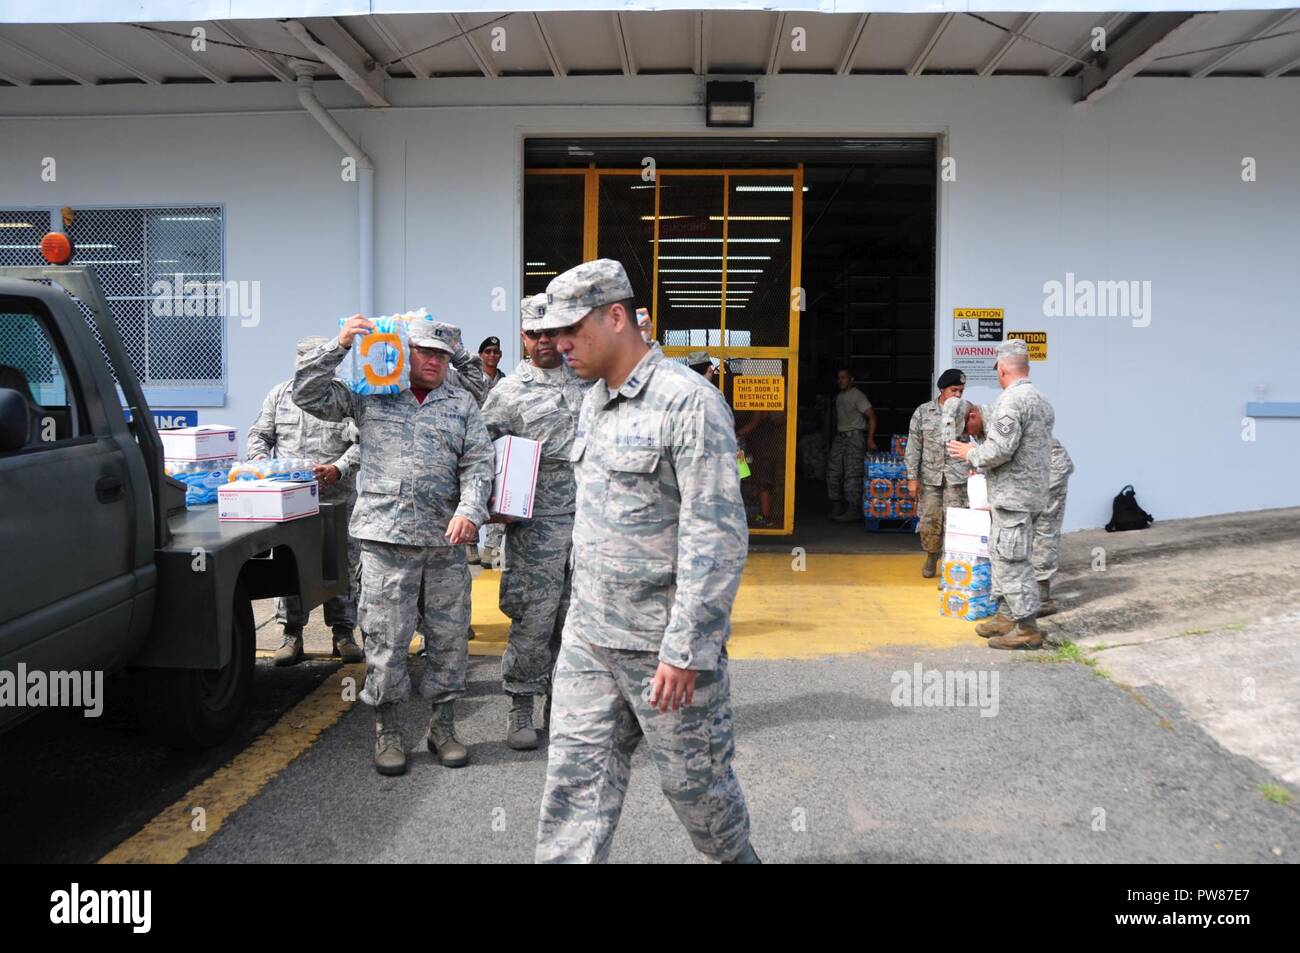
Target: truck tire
(190, 708)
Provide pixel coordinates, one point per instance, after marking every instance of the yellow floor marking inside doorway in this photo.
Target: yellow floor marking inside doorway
(837, 604)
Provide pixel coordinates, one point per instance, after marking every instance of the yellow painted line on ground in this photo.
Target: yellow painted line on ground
(838, 604)
(170, 836)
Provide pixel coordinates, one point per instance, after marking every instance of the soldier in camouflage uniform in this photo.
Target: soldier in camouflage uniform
(659, 543)
(1047, 525)
(1015, 457)
(934, 480)
(282, 429)
(539, 401)
(426, 473)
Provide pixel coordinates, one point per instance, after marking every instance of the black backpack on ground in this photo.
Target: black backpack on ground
(1126, 514)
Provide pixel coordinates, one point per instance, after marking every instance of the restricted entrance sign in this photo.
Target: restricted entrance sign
(751, 392)
(1035, 340)
(972, 325)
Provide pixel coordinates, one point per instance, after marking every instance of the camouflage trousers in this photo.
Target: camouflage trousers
(535, 582)
(1047, 531)
(601, 712)
(1011, 542)
(341, 609)
(932, 508)
(845, 467)
(403, 587)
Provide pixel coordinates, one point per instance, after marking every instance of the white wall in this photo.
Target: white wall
(1145, 186)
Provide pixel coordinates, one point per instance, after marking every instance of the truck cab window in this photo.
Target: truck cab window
(30, 364)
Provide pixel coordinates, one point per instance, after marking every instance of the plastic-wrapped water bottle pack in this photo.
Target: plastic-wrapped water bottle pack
(289, 469)
(201, 478)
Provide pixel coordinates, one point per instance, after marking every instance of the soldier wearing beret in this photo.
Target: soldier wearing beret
(935, 480)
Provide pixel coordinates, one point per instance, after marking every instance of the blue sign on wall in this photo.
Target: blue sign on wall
(169, 419)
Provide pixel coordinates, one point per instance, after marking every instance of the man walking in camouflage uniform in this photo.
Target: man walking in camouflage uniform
(282, 429)
(659, 543)
(934, 480)
(1015, 457)
(539, 401)
(426, 474)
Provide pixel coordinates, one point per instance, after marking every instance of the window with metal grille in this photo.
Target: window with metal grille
(163, 273)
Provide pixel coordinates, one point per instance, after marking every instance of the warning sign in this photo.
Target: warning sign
(978, 362)
(976, 324)
(1035, 340)
(751, 392)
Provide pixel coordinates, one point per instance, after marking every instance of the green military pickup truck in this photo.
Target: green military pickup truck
(102, 568)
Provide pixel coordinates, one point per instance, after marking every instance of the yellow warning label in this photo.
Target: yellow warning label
(978, 313)
(752, 392)
(1035, 340)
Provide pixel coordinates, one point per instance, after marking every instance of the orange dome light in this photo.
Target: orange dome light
(56, 248)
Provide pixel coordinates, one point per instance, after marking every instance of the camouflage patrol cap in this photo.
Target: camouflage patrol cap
(1013, 346)
(696, 358)
(531, 310)
(570, 297)
(425, 332)
(310, 344)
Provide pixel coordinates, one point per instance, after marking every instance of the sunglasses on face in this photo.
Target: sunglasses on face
(536, 335)
(493, 350)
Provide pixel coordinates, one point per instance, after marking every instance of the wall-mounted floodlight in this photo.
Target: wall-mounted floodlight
(729, 104)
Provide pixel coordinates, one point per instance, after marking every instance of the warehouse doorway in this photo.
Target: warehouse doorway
(782, 259)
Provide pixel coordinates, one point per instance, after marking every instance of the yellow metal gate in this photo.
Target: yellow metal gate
(715, 256)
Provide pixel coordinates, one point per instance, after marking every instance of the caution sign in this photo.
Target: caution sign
(971, 325)
(751, 392)
(1035, 340)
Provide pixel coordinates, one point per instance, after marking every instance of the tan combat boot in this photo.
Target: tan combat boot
(931, 565)
(390, 751)
(345, 646)
(290, 650)
(999, 624)
(520, 733)
(1026, 635)
(1046, 604)
(442, 737)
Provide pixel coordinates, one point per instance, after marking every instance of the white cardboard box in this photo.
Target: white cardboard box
(208, 442)
(516, 476)
(267, 501)
(977, 490)
(967, 531)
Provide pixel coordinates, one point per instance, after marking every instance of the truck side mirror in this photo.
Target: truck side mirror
(15, 421)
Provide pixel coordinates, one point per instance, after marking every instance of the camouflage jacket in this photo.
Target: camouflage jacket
(283, 429)
(659, 537)
(927, 454)
(1016, 452)
(421, 464)
(531, 404)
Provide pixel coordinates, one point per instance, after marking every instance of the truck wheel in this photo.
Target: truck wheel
(189, 708)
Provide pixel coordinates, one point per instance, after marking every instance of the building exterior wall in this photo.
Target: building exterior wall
(1144, 186)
